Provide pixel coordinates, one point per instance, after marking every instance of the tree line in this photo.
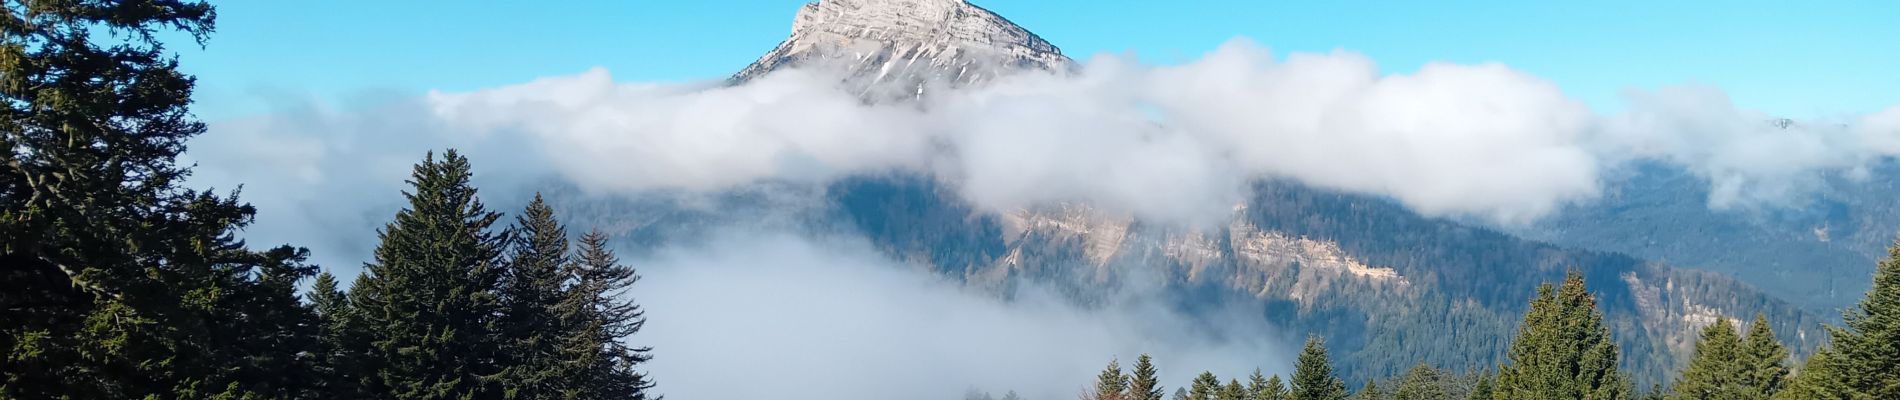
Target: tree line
(1562, 350)
(116, 282)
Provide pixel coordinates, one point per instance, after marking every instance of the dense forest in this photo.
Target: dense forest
(118, 281)
(1563, 350)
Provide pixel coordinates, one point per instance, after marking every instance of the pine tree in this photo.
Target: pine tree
(1111, 384)
(429, 301)
(1422, 382)
(1313, 377)
(1766, 361)
(1483, 390)
(1179, 394)
(1370, 392)
(1715, 372)
(1562, 349)
(1233, 391)
(341, 346)
(118, 282)
(1819, 378)
(1205, 387)
(1257, 385)
(1867, 349)
(598, 304)
(1275, 390)
(533, 287)
(1146, 382)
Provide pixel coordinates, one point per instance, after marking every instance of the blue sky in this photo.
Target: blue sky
(1798, 59)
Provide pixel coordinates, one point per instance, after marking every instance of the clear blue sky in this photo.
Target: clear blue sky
(1799, 59)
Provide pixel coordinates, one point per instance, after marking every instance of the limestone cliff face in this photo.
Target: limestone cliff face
(1263, 263)
(897, 48)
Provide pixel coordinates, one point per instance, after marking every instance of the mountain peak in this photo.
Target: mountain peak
(899, 45)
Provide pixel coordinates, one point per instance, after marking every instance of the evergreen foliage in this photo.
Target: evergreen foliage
(533, 287)
(1275, 390)
(1765, 360)
(1867, 348)
(1562, 349)
(1313, 377)
(1111, 384)
(1819, 378)
(1145, 384)
(1370, 392)
(1233, 391)
(1716, 371)
(119, 283)
(1422, 382)
(1205, 387)
(602, 315)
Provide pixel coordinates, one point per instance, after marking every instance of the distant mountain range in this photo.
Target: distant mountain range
(1388, 287)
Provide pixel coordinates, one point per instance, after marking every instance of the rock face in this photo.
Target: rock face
(896, 48)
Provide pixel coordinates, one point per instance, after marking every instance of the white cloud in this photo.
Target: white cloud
(763, 315)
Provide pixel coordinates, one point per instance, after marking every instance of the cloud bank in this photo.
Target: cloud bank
(765, 315)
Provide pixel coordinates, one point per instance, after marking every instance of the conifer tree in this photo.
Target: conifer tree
(1422, 382)
(606, 317)
(341, 348)
(533, 287)
(1257, 385)
(1233, 391)
(1179, 394)
(1275, 390)
(1313, 377)
(116, 282)
(429, 301)
(1370, 392)
(1111, 384)
(1146, 382)
(1205, 387)
(1867, 348)
(1819, 378)
(1483, 390)
(1766, 361)
(1716, 370)
(1562, 349)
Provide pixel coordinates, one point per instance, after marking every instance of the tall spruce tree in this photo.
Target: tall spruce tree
(603, 318)
(1206, 386)
(1275, 390)
(1111, 384)
(1867, 349)
(342, 347)
(1819, 378)
(1484, 389)
(1145, 384)
(118, 282)
(1716, 370)
(1313, 377)
(429, 302)
(1562, 349)
(1370, 392)
(1232, 391)
(1765, 360)
(533, 288)
(1422, 382)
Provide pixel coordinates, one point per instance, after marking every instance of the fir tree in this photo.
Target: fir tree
(1146, 382)
(341, 346)
(1483, 390)
(429, 301)
(1370, 392)
(1715, 371)
(117, 281)
(1313, 377)
(1422, 382)
(1819, 378)
(1179, 394)
(1205, 387)
(1562, 349)
(1766, 361)
(533, 287)
(1867, 349)
(1233, 391)
(1275, 390)
(606, 318)
(1112, 383)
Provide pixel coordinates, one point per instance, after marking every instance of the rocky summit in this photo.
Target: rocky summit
(898, 48)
